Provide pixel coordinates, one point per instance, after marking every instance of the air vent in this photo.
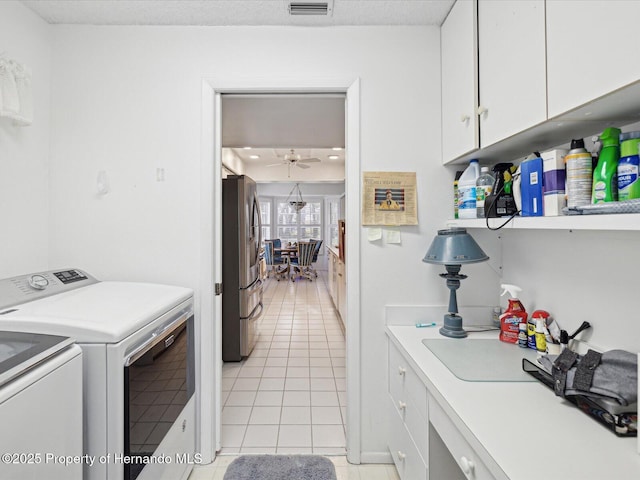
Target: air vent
(308, 8)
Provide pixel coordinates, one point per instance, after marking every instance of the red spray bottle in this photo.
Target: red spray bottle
(514, 315)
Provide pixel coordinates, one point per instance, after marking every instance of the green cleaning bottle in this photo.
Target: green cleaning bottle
(605, 176)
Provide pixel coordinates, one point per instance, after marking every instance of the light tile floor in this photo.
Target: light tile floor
(289, 396)
(344, 471)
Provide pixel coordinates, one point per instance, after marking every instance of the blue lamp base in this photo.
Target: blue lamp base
(453, 326)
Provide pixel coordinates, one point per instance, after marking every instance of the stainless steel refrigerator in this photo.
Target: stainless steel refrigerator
(241, 285)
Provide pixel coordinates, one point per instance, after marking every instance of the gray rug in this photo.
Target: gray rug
(281, 467)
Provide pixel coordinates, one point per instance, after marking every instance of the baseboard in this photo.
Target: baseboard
(376, 457)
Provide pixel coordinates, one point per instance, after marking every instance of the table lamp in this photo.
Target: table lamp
(453, 248)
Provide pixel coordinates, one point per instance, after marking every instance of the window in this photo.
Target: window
(265, 218)
(293, 226)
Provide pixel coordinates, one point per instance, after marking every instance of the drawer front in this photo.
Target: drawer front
(414, 422)
(395, 440)
(408, 461)
(404, 382)
(467, 459)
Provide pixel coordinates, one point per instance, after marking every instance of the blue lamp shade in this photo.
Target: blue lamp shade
(453, 248)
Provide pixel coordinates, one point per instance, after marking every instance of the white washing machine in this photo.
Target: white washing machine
(40, 407)
(138, 366)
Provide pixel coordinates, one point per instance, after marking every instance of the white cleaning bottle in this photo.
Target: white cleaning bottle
(484, 187)
(467, 190)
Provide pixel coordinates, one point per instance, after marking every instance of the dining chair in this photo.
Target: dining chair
(301, 265)
(316, 251)
(274, 261)
(277, 243)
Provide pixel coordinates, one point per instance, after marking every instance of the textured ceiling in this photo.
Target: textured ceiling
(238, 12)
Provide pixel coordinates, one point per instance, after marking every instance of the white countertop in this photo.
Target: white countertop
(523, 427)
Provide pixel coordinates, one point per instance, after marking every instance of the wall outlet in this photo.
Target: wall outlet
(159, 174)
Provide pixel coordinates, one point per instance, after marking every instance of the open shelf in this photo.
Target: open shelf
(622, 221)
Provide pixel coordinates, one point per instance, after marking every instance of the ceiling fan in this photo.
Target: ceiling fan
(295, 159)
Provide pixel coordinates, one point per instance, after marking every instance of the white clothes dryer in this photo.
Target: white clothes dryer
(138, 374)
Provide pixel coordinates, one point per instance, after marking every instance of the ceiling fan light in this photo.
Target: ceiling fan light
(292, 157)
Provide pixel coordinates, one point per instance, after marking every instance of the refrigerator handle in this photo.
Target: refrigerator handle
(257, 286)
(253, 312)
(256, 207)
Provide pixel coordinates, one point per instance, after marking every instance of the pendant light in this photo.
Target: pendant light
(298, 203)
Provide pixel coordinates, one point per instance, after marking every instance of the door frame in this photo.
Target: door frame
(209, 306)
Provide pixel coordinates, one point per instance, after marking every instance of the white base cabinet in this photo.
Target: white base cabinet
(408, 439)
(331, 276)
(463, 454)
(471, 427)
(337, 284)
(412, 414)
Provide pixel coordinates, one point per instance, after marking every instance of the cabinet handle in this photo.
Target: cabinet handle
(464, 118)
(481, 110)
(401, 455)
(402, 370)
(467, 466)
(401, 405)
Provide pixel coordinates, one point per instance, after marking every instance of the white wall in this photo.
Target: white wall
(577, 276)
(127, 100)
(24, 151)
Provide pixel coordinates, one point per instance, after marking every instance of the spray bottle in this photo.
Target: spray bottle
(540, 333)
(514, 315)
(605, 176)
(579, 166)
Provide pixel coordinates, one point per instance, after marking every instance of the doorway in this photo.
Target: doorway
(210, 305)
(288, 396)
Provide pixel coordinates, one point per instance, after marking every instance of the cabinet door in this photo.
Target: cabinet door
(512, 72)
(342, 291)
(331, 276)
(592, 50)
(458, 45)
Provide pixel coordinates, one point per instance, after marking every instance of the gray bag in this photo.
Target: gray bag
(611, 375)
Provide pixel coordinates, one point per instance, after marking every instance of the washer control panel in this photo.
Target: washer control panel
(34, 286)
(70, 276)
(38, 282)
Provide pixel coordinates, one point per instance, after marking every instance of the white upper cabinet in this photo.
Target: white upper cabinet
(512, 67)
(493, 73)
(458, 39)
(592, 49)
